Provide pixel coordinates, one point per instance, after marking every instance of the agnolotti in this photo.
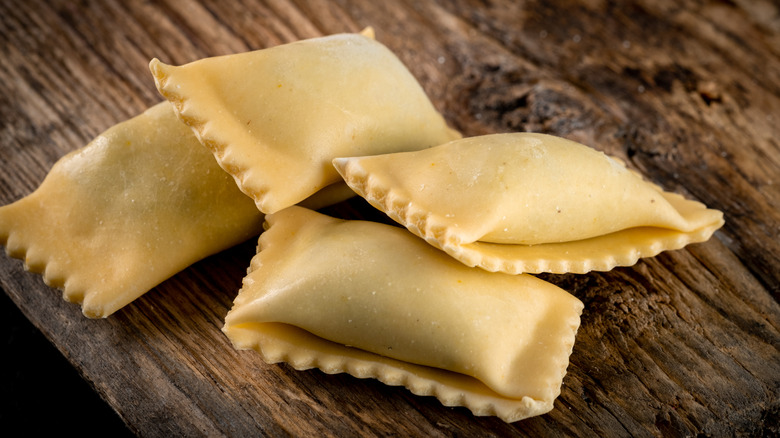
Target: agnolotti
(275, 118)
(111, 220)
(374, 301)
(526, 202)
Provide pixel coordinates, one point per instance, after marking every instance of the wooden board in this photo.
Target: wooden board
(688, 93)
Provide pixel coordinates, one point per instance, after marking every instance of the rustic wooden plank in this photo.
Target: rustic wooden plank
(687, 93)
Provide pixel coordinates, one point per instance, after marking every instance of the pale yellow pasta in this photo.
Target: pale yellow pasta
(112, 220)
(375, 301)
(528, 203)
(275, 118)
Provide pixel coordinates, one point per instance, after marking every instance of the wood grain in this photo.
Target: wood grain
(688, 93)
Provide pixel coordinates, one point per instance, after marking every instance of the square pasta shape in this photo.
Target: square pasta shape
(275, 118)
(524, 202)
(139, 203)
(404, 313)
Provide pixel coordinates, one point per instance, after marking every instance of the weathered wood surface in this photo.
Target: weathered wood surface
(688, 93)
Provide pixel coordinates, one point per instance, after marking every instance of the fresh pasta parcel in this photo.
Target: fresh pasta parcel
(113, 219)
(275, 118)
(374, 301)
(526, 202)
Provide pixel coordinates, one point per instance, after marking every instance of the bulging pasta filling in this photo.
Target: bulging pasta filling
(377, 288)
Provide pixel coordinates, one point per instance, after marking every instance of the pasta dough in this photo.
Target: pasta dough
(112, 220)
(275, 118)
(526, 202)
(373, 300)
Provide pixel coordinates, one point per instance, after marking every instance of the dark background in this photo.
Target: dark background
(42, 393)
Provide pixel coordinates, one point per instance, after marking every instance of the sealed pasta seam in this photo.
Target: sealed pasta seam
(395, 205)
